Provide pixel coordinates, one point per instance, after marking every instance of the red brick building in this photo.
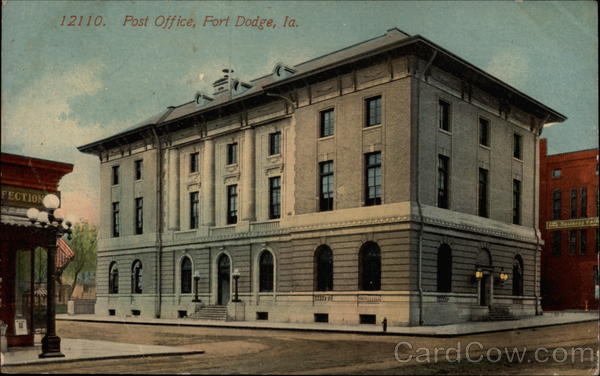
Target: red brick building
(569, 225)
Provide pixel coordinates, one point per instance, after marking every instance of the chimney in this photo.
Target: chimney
(223, 84)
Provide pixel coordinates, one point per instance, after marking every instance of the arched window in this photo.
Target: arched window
(444, 268)
(136, 277)
(370, 267)
(323, 269)
(186, 275)
(517, 285)
(113, 278)
(266, 272)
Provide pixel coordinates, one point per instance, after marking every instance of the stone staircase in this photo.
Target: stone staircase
(500, 313)
(211, 312)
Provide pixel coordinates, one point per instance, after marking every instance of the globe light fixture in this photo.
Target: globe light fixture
(32, 214)
(51, 201)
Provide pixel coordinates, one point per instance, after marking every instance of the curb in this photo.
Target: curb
(107, 357)
(332, 330)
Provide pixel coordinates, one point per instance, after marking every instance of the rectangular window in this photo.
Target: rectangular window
(516, 202)
(373, 111)
(556, 173)
(115, 175)
(442, 181)
(582, 241)
(583, 202)
(138, 169)
(444, 115)
(194, 209)
(321, 317)
(573, 203)
(115, 220)
(572, 242)
(326, 186)
(483, 192)
(484, 132)
(139, 215)
(556, 201)
(275, 143)
(517, 146)
(373, 179)
(231, 204)
(326, 123)
(597, 239)
(232, 150)
(194, 162)
(556, 243)
(274, 197)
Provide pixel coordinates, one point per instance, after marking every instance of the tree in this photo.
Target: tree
(83, 244)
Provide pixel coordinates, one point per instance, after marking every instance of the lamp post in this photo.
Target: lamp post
(196, 279)
(236, 277)
(53, 223)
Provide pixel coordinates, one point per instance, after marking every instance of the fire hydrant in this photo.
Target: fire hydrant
(384, 322)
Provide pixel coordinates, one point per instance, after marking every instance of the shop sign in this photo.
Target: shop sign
(24, 197)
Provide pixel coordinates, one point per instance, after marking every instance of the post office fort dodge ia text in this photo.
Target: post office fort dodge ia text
(389, 179)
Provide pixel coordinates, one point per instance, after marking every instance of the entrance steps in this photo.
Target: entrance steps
(500, 313)
(211, 312)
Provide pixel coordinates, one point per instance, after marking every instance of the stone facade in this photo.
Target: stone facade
(407, 226)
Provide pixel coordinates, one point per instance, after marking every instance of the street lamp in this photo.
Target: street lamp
(196, 279)
(52, 221)
(236, 277)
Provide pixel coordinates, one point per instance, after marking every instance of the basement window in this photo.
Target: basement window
(367, 319)
(181, 314)
(321, 317)
(112, 312)
(262, 315)
(135, 312)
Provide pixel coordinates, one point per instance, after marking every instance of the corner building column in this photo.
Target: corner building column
(208, 183)
(248, 173)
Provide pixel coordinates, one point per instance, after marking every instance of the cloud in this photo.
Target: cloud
(40, 122)
(511, 66)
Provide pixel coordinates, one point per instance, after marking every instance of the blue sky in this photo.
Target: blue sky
(66, 86)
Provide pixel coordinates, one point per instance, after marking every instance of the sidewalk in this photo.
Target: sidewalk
(547, 319)
(83, 349)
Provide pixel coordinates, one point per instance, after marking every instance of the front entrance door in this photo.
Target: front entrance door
(223, 280)
(484, 290)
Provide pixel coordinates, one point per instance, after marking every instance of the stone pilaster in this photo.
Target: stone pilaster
(208, 183)
(248, 173)
(173, 189)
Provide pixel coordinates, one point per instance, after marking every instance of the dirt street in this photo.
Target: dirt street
(278, 351)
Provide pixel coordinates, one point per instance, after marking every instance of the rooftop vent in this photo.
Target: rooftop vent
(202, 99)
(238, 87)
(281, 71)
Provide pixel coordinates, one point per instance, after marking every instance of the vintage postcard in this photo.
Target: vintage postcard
(353, 187)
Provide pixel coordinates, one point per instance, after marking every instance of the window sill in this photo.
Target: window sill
(326, 137)
(517, 159)
(374, 126)
(449, 133)
(486, 147)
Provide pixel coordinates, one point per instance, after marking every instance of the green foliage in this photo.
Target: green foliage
(83, 244)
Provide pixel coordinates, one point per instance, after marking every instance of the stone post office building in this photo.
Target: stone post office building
(389, 179)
